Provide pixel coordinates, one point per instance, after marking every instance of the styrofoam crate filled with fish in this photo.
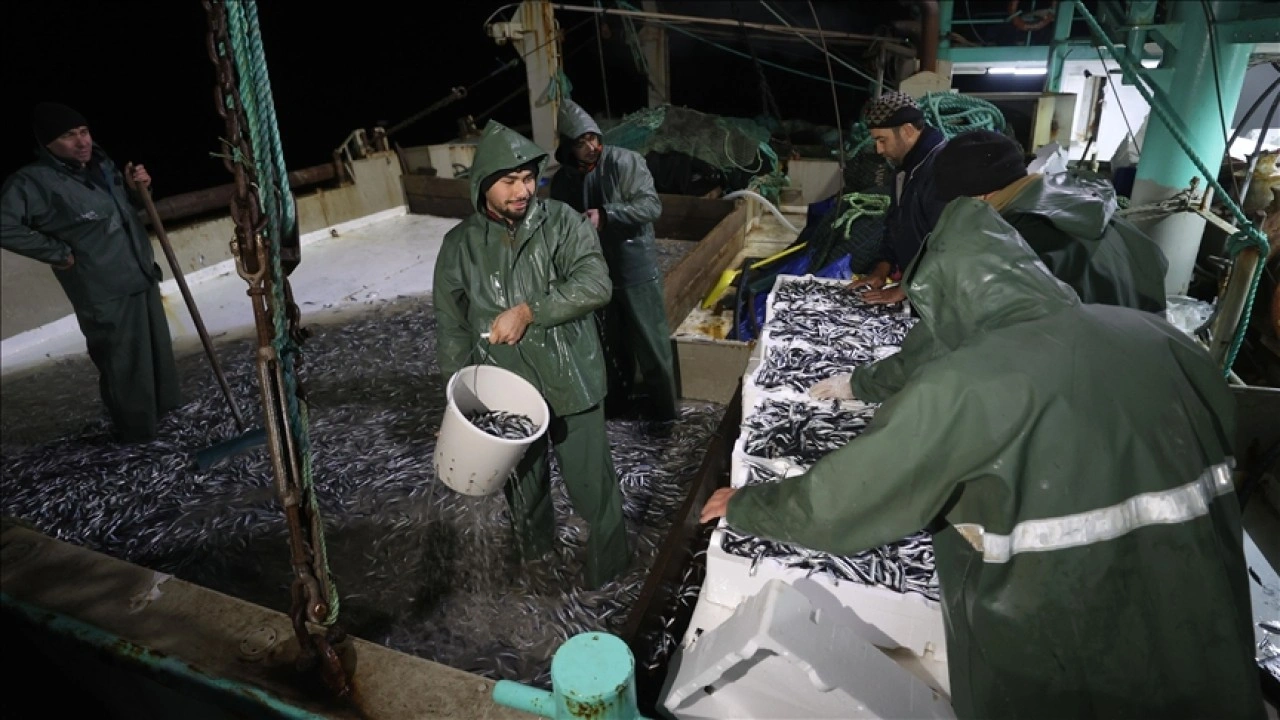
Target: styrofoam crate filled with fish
(816, 328)
(797, 295)
(895, 619)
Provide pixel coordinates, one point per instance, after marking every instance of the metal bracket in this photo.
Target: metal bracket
(501, 32)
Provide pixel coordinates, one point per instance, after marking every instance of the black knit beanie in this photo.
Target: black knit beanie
(49, 120)
(976, 163)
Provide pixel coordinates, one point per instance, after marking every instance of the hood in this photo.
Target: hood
(1078, 207)
(977, 274)
(572, 122)
(501, 148)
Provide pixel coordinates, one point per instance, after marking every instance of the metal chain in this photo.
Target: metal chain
(310, 602)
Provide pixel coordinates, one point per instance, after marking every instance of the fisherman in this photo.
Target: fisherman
(530, 273)
(73, 210)
(611, 186)
(903, 138)
(1073, 463)
(1074, 230)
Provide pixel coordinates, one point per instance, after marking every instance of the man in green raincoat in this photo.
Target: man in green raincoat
(1074, 465)
(612, 187)
(1074, 229)
(530, 273)
(73, 210)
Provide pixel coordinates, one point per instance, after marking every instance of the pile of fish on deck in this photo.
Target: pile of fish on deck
(419, 568)
(815, 329)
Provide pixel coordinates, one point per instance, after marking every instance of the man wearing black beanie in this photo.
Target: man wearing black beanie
(1071, 224)
(75, 211)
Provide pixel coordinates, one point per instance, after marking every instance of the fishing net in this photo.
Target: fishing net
(737, 147)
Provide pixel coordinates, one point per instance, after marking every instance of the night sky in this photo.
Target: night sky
(140, 73)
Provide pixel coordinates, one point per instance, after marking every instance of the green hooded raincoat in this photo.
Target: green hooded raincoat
(1075, 231)
(636, 329)
(550, 260)
(1071, 461)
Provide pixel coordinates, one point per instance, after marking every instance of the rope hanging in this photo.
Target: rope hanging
(1249, 235)
(860, 205)
(281, 221)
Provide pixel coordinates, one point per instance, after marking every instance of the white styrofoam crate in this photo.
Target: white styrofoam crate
(784, 279)
(906, 620)
(779, 656)
(892, 620)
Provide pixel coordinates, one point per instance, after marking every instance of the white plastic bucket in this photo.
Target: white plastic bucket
(468, 459)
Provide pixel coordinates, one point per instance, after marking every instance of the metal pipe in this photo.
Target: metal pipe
(198, 202)
(168, 669)
(929, 34)
(668, 17)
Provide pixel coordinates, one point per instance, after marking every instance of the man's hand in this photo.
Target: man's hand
(135, 175)
(872, 281)
(593, 217)
(833, 388)
(509, 327)
(717, 505)
(885, 296)
(71, 260)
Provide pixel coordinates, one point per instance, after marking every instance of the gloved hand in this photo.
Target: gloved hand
(833, 388)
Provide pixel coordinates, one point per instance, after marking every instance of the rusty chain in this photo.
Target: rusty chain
(309, 600)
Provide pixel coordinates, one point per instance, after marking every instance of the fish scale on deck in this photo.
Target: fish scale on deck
(816, 330)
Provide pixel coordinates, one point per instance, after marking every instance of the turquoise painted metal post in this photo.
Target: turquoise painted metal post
(592, 676)
(1060, 47)
(1164, 169)
(946, 15)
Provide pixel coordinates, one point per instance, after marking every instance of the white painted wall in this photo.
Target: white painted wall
(1120, 101)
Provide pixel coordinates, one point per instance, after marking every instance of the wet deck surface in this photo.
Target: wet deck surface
(418, 567)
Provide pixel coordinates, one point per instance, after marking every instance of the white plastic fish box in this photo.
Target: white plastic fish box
(907, 620)
(895, 620)
(784, 279)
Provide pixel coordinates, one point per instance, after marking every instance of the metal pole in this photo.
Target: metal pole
(714, 21)
(1059, 48)
(1164, 169)
(181, 279)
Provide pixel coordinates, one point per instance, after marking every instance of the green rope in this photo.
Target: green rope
(954, 114)
(277, 204)
(770, 185)
(558, 88)
(860, 205)
(951, 113)
(1248, 236)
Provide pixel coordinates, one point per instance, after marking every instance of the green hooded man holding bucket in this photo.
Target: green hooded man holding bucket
(529, 273)
(612, 188)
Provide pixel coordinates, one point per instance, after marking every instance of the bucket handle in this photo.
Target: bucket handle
(484, 341)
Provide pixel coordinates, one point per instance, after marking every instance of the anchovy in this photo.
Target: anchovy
(800, 432)
(506, 425)
(818, 330)
(419, 568)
